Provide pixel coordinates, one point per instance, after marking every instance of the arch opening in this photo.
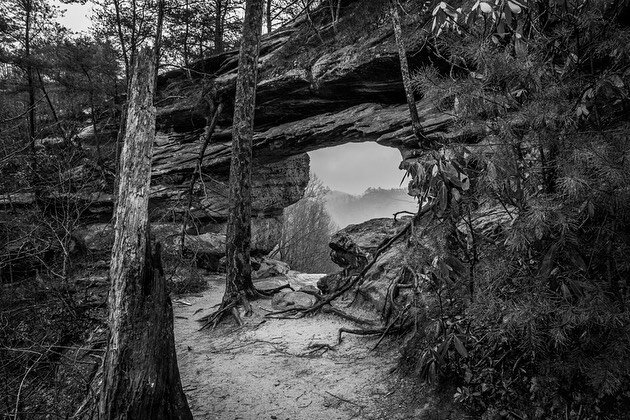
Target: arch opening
(364, 182)
(349, 184)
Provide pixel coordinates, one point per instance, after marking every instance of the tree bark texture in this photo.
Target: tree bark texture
(268, 16)
(140, 374)
(218, 26)
(239, 279)
(404, 70)
(28, 9)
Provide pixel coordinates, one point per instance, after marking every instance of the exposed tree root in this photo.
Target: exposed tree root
(358, 332)
(389, 329)
(329, 309)
(353, 281)
(344, 399)
(314, 347)
(230, 304)
(375, 331)
(227, 307)
(391, 324)
(271, 292)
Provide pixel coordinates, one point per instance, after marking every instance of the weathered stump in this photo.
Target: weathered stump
(140, 378)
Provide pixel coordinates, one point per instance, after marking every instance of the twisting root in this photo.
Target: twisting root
(389, 329)
(329, 309)
(353, 281)
(271, 292)
(230, 306)
(358, 332)
(214, 318)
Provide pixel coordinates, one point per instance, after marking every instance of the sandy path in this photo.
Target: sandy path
(265, 370)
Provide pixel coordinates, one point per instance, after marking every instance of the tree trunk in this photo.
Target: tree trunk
(207, 135)
(186, 32)
(121, 39)
(53, 113)
(404, 70)
(140, 373)
(218, 26)
(238, 241)
(268, 16)
(28, 9)
(158, 38)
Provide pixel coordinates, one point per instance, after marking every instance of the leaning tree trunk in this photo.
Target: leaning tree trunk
(404, 70)
(239, 279)
(140, 374)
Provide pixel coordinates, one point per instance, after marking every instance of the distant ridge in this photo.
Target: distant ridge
(346, 209)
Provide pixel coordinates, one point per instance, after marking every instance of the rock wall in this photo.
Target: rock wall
(325, 94)
(314, 91)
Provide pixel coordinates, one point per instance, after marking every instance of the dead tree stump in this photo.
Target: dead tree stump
(140, 377)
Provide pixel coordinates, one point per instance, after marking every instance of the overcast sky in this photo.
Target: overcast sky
(354, 167)
(76, 16)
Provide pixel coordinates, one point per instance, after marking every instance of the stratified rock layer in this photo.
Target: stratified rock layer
(314, 91)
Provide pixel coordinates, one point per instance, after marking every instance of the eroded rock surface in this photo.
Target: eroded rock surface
(352, 92)
(353, 246)
(292, 300)
(406, 258)
(312, 93)
(268, 267)
(206, 248)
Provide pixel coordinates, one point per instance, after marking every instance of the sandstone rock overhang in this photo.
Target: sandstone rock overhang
(385, 124)
(313, 92)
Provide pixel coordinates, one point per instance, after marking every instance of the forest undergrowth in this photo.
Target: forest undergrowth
(526, 296)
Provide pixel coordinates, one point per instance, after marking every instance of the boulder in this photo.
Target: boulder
(389, 269)
(331, 282)
(374, 289)
(399, 264)
(206, 249)
(268, 267)
(353, 246)
(290, 300)
(311, 290)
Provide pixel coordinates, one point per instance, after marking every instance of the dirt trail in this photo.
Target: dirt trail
(266, 370)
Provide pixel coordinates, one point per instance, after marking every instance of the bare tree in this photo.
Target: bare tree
(28, 12)
(140, 374)
(306, 231)
(239, 286)
(268, 16)
(211, 124)
(335, 9)
(221, 8)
